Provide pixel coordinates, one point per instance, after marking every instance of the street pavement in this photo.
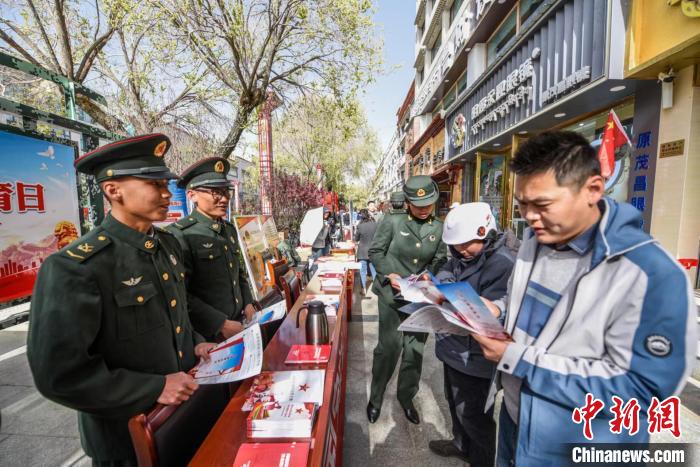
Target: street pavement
(37, 432)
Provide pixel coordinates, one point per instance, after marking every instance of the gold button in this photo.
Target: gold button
(415, 260)
(236, 300)
(165, 276)
(225, 248)
(182, 274)
(234, 282)
(102, 238)
(417, 245)
(178, 329)
(139, 299)
(230, 265)
(211, 256)
(232, 240)
(173, 302)
(110, 172)
(179, 352)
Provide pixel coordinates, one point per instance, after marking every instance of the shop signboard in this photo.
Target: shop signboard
(564, 53)
(39, 208)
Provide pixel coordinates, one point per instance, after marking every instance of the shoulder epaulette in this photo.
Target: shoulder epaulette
(87, 245)
(184, 223)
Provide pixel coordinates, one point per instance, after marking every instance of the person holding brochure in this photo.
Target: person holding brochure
(404, 244)
(217, 282)
(484, 258)
(109, 332)
(595, 307)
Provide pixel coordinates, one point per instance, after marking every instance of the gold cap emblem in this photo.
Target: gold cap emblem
(420, 192)
(219, 167)
(160, 149)
(149, 244)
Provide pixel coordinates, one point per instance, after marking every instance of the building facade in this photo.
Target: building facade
(392, 175)
(492, 73)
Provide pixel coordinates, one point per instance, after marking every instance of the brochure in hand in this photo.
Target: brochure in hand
(281, 420)
(286, 386)
(238, 357)
(447, 309)
(272, 454)
(272, 313)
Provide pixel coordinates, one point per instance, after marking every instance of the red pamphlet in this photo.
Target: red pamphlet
(308, 354)
(272, 454)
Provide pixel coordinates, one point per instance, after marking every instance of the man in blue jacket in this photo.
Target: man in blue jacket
(594, 306)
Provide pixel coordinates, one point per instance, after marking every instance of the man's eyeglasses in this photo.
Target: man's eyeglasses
(217, 193)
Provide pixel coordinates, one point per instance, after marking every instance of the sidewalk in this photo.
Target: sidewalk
(392, 440)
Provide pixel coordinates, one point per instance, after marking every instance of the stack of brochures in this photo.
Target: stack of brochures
(281, 420)
(286, 386)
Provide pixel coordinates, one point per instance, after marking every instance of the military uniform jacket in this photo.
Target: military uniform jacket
(217, 283)
(108, 320)
(404, 245)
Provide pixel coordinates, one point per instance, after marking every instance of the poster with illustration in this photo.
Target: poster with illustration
(272, 238)
(39, 209)
(490, 181)
(255, 252)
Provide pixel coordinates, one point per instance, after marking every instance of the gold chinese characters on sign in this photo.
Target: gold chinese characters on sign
(672, 148)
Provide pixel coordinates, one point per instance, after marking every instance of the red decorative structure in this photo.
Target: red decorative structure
(265, 150)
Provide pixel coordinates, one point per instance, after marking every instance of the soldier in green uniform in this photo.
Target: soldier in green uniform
(404, 244)
(109, 332)
(217, 285)
(398, 203)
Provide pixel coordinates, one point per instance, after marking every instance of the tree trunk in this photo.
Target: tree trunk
(101, 117)
(234, 135)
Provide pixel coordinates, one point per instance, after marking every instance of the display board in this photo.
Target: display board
(255, 252)
(272, 238)
(39, 208)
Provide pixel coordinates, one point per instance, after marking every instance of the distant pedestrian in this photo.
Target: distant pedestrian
(364, 233)
(398, 203)
(374, 212)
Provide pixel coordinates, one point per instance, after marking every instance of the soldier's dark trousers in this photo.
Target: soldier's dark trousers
(392, 344)
(473, 431)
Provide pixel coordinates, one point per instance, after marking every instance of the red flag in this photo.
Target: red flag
(614, 136)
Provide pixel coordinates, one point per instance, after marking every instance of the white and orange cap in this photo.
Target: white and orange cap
(467, 222)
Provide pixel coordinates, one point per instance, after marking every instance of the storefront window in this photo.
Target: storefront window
(505, 32)
(592, 128)
(450, 97)
(454, 9)
(436, 47)
(527, 8)
(491, 182)
(462, 83)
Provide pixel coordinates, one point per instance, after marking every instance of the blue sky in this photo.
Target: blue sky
(394, 20)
